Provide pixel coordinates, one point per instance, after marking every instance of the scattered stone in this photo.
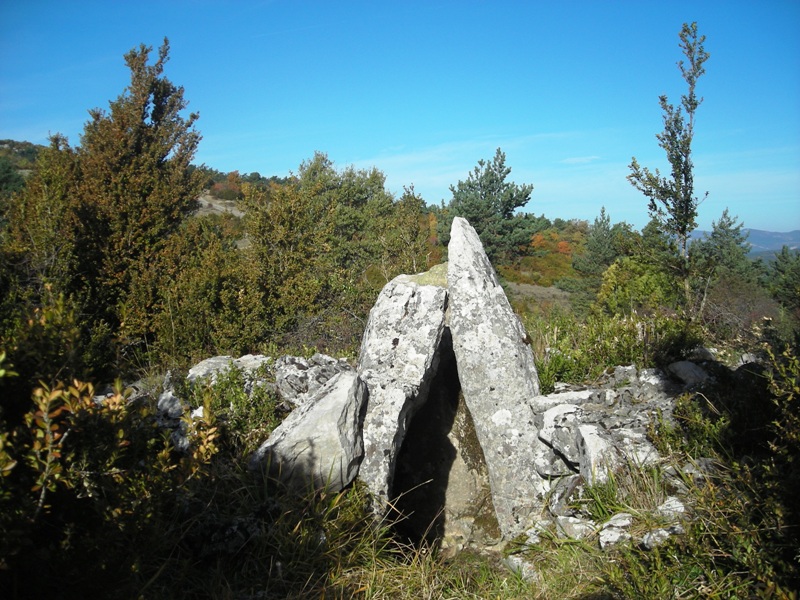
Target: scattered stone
(298, 378)
(657, 537)
(615, 530)
(574, 528)
(521, 567)
(671, 509)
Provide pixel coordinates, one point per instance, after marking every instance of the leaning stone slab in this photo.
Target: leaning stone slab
(498, 378)
(397, 362)
(319, 444)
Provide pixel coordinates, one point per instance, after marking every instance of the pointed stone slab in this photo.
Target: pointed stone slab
(498, 378)
(398, 361)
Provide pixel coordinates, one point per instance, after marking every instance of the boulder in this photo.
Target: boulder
(498, 378)
(397, 362)
(318, 445)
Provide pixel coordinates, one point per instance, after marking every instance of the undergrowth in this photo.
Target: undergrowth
(96, 502)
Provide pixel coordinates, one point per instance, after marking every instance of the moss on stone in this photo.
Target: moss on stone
(436, 275)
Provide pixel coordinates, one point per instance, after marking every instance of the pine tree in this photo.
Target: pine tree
(488, 202)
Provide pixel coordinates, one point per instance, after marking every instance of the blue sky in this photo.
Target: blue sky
(423, 90)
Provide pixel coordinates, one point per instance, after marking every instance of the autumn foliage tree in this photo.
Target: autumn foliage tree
(136, 184)
(91, 219)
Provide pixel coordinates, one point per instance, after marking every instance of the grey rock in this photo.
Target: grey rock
(559, 430)
(635, 448)
(522, 567)
(397, 361)
(671, 509)
(597, 455)
(574, 528)
(620, 520)
(547, 463)
(298, 378)
(539, 404)
(612, 536)
(534, 534)
(210, 368)
(689, 373)
(318, 445)
(498, 378)
(658, 536)
(615, 530)
(169, 405)
(561, 494)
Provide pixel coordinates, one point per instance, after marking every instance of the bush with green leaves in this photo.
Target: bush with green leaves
(576, 350)
(89, 477)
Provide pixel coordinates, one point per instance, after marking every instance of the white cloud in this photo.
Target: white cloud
(579, 160)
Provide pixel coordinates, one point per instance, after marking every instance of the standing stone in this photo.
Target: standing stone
(398, 361)
(498, 379)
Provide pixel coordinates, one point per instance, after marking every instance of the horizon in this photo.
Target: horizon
(423, 92)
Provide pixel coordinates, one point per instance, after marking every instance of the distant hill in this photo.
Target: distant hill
(764, 243)
(771, 241)
(22, 155)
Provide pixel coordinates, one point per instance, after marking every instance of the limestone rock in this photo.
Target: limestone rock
(615, 530)
(561, 494)
(688, 372)
(574, 528)
(318, 444)
(209, 368)
(548, 464)
(657, 537)
(298, 378)
(671, 509)
(397, 362)
(597, 455)
(539, 404)
(498, 378)
(559, 430)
